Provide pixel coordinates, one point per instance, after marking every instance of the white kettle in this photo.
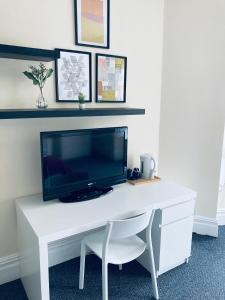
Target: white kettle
(148, 166)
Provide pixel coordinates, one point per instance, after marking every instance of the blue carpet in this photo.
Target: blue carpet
(202, 279)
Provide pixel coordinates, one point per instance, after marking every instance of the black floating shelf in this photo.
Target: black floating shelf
(25, 53)
(67, 112)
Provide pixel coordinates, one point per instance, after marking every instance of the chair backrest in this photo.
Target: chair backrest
(120, 229)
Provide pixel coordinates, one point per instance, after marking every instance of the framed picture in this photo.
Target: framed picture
(111, 74)
(92, 23)
(73, 75)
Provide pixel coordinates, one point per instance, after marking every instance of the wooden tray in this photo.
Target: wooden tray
(144, 181)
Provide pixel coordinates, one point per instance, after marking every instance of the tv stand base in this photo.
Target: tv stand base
(87, 194)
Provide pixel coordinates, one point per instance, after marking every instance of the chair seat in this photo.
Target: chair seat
(119, 251)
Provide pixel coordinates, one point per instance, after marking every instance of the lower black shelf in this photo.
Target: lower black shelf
(25, 53)
(67, 112)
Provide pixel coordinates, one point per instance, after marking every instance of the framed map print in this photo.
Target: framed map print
(92, 23)
(111, 76)
(73, 75)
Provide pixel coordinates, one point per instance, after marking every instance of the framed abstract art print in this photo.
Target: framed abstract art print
(73, 75)
(92, 23)
(111, 76)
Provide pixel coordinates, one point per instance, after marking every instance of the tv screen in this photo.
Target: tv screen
(78, 159)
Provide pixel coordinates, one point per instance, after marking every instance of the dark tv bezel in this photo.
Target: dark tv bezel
(57, 193)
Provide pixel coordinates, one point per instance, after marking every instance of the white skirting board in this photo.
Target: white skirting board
(67, 249)
(205, 226)
(221, 216)
(64, 250)
(9, 268)
(59, 252)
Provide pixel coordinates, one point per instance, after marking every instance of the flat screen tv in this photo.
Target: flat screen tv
(79, 165)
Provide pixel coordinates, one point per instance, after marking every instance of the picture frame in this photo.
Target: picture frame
(111, 78)
(73, 75)
(92, 23)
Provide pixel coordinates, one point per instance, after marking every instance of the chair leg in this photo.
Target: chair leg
(104, 280)
(82, 265)
(120, 267)
(153, 272)
(152, 267)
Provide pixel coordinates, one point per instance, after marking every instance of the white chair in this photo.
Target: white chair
(117, 244)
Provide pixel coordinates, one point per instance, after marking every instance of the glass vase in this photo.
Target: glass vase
(41, 102)
(82, 105)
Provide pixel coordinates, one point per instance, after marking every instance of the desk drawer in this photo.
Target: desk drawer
(177, 212)
(175, 243)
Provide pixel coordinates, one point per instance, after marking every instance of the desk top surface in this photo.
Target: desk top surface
(54, 220)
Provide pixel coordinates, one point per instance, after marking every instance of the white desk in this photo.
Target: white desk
(40, 223)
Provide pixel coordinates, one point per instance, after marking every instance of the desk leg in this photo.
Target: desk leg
(33, 261)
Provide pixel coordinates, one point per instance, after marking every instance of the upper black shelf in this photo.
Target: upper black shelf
(25, 53)
(67, 112)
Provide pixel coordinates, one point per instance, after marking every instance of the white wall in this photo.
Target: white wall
(193, 106)
(136, 32)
